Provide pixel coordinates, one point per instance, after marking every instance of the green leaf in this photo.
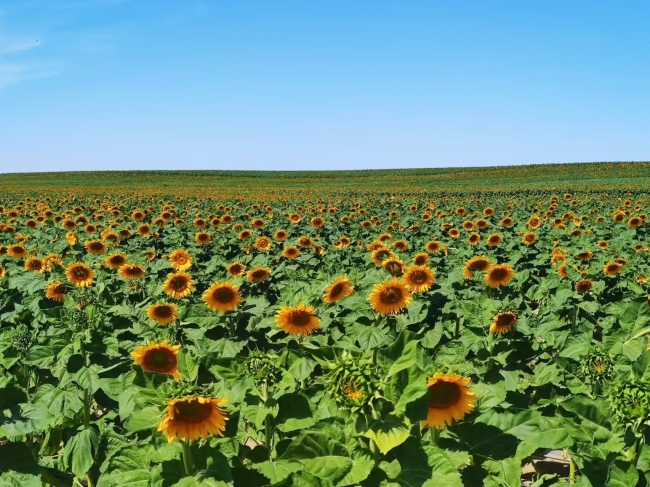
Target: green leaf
(277, 471)
(622, 474)
(388, 433)
(186, 365)
(144, 419)
(18, 468)
(320, 456)
(362, 465)
(80, 451)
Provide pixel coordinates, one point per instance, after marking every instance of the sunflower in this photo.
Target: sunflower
(453, 233)
(503, 322)
(150, 254)
(3, 272)
(421, 259)
(95, 247)
(115, 261)
(479, 264)
(433, 247)
(202, 238)
(297, 320)
(499, 275)
(586, 255)
(17, 251)
(291, 252)
(178, 285)
(191, 418)
(281, 235)
(162, 313)
(529, 238)
(259, 274)
(400, 245)
(584, 286)
(236, 269)
(419, 278)
(144, 230)
(381, 254)
(390, 296)
(131, 271)
(158, 357)
(494, 240)
(612, 268)
(263, 243)
(634, 222)
(35, 264)
(473, 239)
(562, 272)
(55, 291)
(340, 288)
(180, 260)
(317, 222)
(245, 235)
(450, 399)
(222, 296)
(305, 242)
(534, 222)
(79, 274)
(393, 265)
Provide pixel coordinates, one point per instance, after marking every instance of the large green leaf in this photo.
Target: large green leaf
(387, 433)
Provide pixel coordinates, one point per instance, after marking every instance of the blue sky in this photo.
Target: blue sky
(321, 84)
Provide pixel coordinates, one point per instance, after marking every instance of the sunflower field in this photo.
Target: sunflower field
(167, 337)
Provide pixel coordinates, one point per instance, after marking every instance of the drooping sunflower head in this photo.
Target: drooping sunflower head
(390, 296)
(259, 274)
(162, 313)
(236, 269)
(419, 278)
(191, 418)
(450, 398)
(79, 274)
(180, 260)
(612, 268)
(340, 288)
(178, 285)
(503, 322)
(297, 320)
(55, 291)
(222, 296)
(131, 271)
(499, 275)
(161, 358)
(584, 286)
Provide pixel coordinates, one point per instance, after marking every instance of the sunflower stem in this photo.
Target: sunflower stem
(457, 332)
(268, 436)
(572, 471)
(86, 408)
(435, 435)
(187, 458)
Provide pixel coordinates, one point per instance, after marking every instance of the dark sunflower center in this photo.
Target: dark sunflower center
(391, 295)
(479, 265)
(259, 275)
(224, 295)
(420, 261)
(498, 274)
(419, 277)
(97, 246)
(80, 273)
(443, 395)
(505, 319)
(299, 318)
(236, 269)
(160, 359)
(163, 311)
(36, 265)
(58, 289)
(117, 260)
(192, 411)
(178, 284)
(336, 290)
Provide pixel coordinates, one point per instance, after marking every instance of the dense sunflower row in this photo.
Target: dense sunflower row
(379, 340)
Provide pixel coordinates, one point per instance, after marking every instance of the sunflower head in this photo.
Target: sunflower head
(236, 269)
(131, 271)
(262, 366)
(79, 274)
(393, 265)
(162, 313)
(178, 285)
(115, 261)
(390, 296)
(612, 268)
(476, 264)
(503, 322)
(222, 296)
(584, 286)
(297, 320)
(180, 260)
(597, 366)
(35, 264)
(450, 398)
(161, 358)
(499, 275)
(419, 278)
(350, 380)
(340, 288)
(259, 274)
(194, 417)
(55, 291)
(630, 400)
(291, 252)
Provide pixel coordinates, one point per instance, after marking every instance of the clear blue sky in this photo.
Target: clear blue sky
(321, 84)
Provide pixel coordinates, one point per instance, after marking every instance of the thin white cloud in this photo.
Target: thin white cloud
(12, 73)
(18, 45)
